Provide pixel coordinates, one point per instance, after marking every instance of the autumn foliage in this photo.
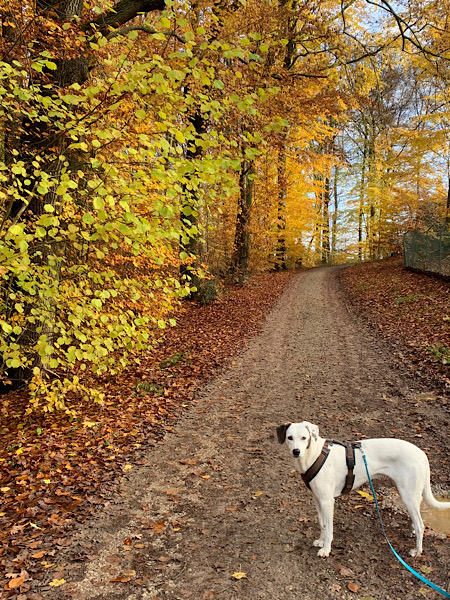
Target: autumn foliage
(151, 149)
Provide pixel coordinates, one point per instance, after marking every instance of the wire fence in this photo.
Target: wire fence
(428, 251)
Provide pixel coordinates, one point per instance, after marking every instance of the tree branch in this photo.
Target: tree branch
(123, 12)
(145, 29)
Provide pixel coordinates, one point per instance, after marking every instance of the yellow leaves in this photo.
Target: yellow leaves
(180, 137)
(239, 575)
(365, 495)
(165, 22)
(427, 570)
(257, 495)
(127, 468)
(57, 582)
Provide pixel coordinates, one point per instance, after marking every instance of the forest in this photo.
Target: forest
(152, 149)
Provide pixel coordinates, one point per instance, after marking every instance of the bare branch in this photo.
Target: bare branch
(403, 27)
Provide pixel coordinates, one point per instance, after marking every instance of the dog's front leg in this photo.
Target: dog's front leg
(319, 542)
(325, 511)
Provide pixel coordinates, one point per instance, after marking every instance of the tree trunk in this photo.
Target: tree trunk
(189, 242)
(447, 213)
(335, 214)
(362, 194)
(242, 235)
(326, 222)
(280, 254)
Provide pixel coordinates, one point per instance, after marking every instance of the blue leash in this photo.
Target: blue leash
(418, 575)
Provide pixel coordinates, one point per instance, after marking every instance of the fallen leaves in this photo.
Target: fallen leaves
(257, 495)
(157, 527)
(54, 469)
(426, 569)
(57, 582)
(15, 583)
(239, 575)
(125, 577)
(344, 571)
(365, 495)
(120, 579)
(408, 308)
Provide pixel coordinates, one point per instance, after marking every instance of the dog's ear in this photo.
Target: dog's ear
(313, 430)
(281, 432)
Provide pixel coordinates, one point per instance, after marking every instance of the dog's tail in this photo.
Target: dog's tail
(431, 500)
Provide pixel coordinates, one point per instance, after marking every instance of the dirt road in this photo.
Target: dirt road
(218, 495)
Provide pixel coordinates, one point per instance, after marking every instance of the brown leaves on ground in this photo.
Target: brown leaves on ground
(54, 471)
(411, 309)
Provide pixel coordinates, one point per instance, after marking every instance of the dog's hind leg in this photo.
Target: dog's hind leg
(411, 499)
(416, 518)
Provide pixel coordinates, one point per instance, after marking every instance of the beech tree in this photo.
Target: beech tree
(102, 176)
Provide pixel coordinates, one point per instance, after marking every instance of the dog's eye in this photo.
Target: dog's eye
(290, 437)
(303, 438)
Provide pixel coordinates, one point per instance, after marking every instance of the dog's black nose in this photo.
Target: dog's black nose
(296, 452)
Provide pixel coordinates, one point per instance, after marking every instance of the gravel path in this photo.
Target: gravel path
(218, 495)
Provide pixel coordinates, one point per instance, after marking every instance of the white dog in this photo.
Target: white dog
(403, 462)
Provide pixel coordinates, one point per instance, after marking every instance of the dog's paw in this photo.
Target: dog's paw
(415, 553)
(318, 543)
(323, 552)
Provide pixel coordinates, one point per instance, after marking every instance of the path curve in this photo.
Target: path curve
(218, 495)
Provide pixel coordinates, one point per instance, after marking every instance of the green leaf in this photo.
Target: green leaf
(14, 363)
(88, 218)
(98, 204)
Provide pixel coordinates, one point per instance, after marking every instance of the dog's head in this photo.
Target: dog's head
(298, 436)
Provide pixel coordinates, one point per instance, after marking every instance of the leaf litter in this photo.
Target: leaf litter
(55, 471)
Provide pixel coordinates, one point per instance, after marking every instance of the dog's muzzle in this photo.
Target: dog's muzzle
(296, 453)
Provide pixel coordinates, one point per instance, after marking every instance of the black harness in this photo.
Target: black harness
(320, 461)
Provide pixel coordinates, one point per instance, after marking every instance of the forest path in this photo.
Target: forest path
(218, 495)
